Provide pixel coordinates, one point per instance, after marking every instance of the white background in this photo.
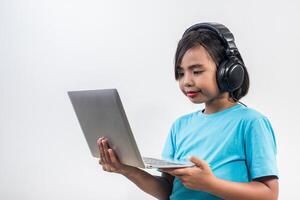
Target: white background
(50, 47)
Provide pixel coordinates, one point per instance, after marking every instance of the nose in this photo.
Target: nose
(188, 80)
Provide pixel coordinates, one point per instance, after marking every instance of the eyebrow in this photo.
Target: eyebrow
(191, 67)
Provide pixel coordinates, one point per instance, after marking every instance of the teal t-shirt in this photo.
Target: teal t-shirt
(238, 143)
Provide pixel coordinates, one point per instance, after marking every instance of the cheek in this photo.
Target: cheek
(213, 81)
(214, 85)
(209, 86)
(180, 84)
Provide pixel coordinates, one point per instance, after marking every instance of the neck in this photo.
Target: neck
(218, 104)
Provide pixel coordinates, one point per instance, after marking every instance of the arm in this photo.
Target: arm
(264, 188)
(158, 186)
(202, 178)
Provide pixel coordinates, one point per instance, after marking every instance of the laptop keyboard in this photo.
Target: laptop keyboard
(158, 162)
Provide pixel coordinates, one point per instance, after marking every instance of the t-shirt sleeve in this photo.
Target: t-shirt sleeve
(260, 147)
(169, 147)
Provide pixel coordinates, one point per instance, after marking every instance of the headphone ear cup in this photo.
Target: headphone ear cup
(221, 76)
(230, 75)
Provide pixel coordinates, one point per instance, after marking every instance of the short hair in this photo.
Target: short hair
(216, 49)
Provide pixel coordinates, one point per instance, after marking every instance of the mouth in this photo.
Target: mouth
(192, 94)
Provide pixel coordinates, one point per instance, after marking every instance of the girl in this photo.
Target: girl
(232, 146)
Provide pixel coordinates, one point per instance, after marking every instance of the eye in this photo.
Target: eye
(180, 74)
(197, 72)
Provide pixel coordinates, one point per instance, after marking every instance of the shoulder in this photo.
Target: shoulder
(246, 118)
(250, 115)
(255, 123)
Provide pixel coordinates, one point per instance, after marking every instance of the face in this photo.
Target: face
(197, 76)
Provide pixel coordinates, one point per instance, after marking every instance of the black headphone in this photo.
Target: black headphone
(230, 73)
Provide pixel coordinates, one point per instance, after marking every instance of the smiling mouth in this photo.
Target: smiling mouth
(192, 93)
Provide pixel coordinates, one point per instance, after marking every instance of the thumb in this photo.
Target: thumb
(199, 163)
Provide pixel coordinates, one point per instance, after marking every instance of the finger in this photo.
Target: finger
(179, 172)
(101, 159)
(113, 156)
(166, 170)
(108, 168)
(106, 154)
(104, 160)
(172, 172)
(199, 163)
(99, 140)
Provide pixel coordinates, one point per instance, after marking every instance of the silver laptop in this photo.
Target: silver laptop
(101, 114)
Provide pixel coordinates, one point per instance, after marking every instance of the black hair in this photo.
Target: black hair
(216, 49)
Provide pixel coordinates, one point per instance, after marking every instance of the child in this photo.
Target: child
(232, 146)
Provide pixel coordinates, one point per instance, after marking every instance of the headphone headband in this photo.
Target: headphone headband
(222, 31)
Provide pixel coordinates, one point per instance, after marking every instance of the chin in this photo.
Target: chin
(197, 101)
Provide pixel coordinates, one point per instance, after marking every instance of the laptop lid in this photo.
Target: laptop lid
(101, 114)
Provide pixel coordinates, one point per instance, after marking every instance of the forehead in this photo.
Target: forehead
(196, 56)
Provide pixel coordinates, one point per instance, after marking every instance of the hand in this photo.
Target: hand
(199, 177)
(109, 160)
